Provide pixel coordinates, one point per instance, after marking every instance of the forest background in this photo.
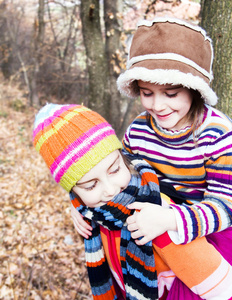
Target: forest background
(70, 51)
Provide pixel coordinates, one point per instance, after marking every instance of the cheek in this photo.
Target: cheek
(186, 106)
(145, 103)
(90, 199)
(87, 198)
(125, 178)
(187, 99)
(82, 196)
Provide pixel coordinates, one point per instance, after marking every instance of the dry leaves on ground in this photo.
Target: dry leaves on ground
(41, 255)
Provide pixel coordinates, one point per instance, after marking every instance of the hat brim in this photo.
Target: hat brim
(165, 72)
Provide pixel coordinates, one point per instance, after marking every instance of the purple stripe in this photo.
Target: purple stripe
(195, 224)
(184, 222)
(78, 155)
(220, 150)
(215, 216)
(205, 219)
(50, 119)
(219, 177)
(165, 138)
(149, 137)
(161, 155)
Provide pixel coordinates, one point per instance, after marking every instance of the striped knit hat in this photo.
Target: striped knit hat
(72, 139)
(169, 51)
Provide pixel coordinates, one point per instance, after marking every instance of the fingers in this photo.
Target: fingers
(132, 226)
(142, 241)
(86, 233)
(139, 238)
(136, 234)
(137, 205)
(81, 226)
(141, 224)
(131, 219)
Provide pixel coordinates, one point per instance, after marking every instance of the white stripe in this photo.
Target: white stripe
(169, 56)
(94, 257)
(135, 293)
(216, 286)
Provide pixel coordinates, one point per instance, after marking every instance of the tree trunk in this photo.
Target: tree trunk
(113, 28)
(99, 93)
(39, 37)
(217, 21)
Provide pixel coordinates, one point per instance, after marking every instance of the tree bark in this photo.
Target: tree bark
(99, 92)
(113, 28)
(39, 37)
(217, 21)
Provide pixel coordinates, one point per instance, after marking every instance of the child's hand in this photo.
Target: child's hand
(82, 227)
(151, 221)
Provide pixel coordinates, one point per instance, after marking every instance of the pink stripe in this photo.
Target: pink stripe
(78, 155)
(71, 147)
(47, 121)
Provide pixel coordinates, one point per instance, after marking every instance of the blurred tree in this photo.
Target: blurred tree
(39, 29)
(99, 93)
(41, 49)
(113, 48)
(217, 21)
(104, 51)
(10, 41)
(64, 47)
(6, 56)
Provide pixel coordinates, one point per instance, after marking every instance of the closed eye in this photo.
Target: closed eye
(115, 170)
(91, 187)
(147, 94)
(88, 186)
(171, 95)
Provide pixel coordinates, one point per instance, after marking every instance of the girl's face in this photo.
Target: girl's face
(104, 181)
(168, 104)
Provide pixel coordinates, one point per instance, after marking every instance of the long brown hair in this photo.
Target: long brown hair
(196, 111)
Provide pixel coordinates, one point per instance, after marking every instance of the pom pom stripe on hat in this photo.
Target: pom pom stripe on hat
(72, 139)
(169, 51)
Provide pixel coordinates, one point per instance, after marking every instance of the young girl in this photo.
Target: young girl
(82, 153)
(189, 144)
(186, 140)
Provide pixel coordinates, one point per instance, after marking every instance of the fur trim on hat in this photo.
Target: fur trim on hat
(170, 56)
(127, 82)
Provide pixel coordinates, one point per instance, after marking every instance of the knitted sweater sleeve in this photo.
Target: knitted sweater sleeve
(214, 212)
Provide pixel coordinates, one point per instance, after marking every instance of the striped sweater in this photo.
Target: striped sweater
(202, 173)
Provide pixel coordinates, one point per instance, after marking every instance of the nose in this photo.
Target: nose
(109, 189)
(157, 103)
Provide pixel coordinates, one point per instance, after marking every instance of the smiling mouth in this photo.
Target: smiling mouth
(164, 116)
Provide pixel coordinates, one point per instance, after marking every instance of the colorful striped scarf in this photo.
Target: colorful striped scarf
(137, 262)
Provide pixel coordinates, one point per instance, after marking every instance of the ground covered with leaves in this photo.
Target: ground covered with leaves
(41, 255)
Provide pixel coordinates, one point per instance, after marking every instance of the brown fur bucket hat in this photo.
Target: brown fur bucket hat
(169, 51)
